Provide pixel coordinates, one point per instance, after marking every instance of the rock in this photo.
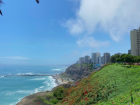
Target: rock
(76, 72)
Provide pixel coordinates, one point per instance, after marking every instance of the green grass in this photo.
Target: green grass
(112, 75)
(111, 85)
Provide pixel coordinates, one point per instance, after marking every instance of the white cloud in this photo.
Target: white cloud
(15, 57)
(91, 42)
(117, 17)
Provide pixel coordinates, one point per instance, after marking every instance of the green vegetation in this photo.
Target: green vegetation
(115, 83)
(125, 58)
(110, 85)
(90, 66)
(83, 64)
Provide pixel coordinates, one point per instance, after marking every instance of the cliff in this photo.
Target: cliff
(79, 71)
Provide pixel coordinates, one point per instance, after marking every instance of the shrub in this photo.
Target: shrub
(60, 93)
(69, 82)
(54, 101)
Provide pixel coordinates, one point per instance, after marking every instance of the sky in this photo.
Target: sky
(58, 32)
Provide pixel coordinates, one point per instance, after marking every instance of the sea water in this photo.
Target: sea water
(14, 89)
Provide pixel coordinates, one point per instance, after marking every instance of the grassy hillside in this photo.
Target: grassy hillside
(110, 85)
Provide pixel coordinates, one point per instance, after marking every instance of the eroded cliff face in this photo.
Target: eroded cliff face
(77, 72)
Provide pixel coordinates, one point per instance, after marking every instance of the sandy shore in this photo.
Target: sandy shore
(58, 80)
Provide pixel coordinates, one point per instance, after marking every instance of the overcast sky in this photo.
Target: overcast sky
(60, 31)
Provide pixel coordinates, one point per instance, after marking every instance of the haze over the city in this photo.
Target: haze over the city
(59, 32)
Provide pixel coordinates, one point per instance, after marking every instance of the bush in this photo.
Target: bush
(69, 82)
(54, 101)
(59, 93)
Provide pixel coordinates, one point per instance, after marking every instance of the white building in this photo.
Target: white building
(94, 57)
(135, 42)
(106, 57)
(86, 59)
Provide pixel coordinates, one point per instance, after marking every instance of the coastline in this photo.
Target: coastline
(28, 98)
(58, 80)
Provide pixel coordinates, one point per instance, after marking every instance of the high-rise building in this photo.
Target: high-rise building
(102, 60)
(106, 57)
(81, 60)
(129, 52)
(94, 57)
(90, 61)
(86, 59)
(99, 60)
(135, 42)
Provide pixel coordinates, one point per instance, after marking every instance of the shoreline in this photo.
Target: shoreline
(58, 81)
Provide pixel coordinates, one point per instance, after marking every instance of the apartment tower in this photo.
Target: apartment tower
(135, 42)
(94, 57)
(86, 59)
(106, 57)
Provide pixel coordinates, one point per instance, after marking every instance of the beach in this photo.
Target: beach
(59, 80)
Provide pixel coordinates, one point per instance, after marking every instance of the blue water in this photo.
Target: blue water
(14, 89)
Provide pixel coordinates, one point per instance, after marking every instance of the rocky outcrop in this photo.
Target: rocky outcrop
(77, 72)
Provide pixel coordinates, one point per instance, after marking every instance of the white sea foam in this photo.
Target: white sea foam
(53, 81)
(1, 76)
(8, 93)
(38, 79)
(56, 69)
(24, 91)
(37, 90)
(19, 91)
(41, 86)
(28, 73)
(18, 74)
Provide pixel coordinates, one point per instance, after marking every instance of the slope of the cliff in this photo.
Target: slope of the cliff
(78, 71)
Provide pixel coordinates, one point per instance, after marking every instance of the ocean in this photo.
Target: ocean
(14, 89)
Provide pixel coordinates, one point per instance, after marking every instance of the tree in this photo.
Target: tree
(129, 58)
(113, 59)
(122, 57)
(118, 60)
(1, 2)
(137, 59)
(37, 1)
(134, 60)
